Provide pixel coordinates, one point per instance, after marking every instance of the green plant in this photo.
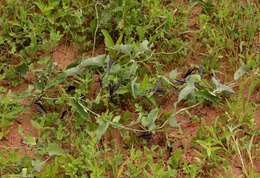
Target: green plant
(128, 105)
(9, 111)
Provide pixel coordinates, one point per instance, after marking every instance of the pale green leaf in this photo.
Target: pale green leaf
(132, 70)
(149, 121)
(24, 172)
(102, 128)
(116, 119)
(194, 78)
(115, 69)
(221, 87)
(97, 61)
(125, 49)
(133, 87)
(36, 125)
(173, 74)
(172, 121)
(72, 71)
(29, 140)
(188, 89)
(143, 47)
(54, 149)
(240, 72)
(38, 165)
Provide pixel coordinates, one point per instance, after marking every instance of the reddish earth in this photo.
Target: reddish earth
(64, 55)
(100, 49)
(13, 140)
(257, 164)
(257, 118)
(194, 20)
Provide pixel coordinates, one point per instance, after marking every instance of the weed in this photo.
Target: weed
(160, 59)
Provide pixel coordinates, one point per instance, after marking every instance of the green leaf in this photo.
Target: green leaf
(194, 78)
(38, 165)
(59, 79)
(207, 95)
(116, 119)
(79, 108)
(54, 149)
(188, 89)
(24, 172)
(115, 69)
(72, 71)
(29, 140)
(41, 6)
(125, 49)
(1, 135)
(108, 39)
(149, 121)
(145, 85)
(55, 36)
(173, 74)
(2, 89)
(172, 121)
(36, 125)
(102, 128)
(220, 87)
(166, 79)
(1, 40)
(175, 159)
(22, 69)
(97, 61)
(241, 71)
(132, 69)
(133, 87)
(143, 47)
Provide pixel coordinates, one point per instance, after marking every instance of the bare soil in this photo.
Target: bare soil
(64, 55)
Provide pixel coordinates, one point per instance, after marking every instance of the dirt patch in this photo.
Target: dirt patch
(64, 55)
(13, 139)
(100, 49)
(193, 21)
(113, 136)
(94, 87)
(257, 118)
(257, 165)
(255, 96)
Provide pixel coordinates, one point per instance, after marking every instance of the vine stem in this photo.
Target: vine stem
(178, 112)
(97, 26)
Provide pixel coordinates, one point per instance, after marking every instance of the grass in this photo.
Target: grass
(155, 88)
